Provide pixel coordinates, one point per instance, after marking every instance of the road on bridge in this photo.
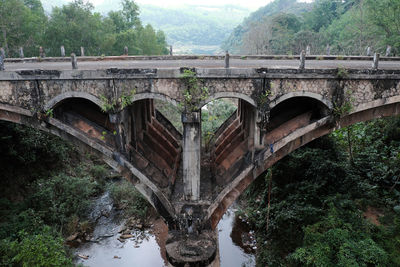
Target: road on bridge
(200, 63)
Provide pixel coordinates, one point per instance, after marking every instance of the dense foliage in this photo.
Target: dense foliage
(45, 190)
(349, 27)
(334, 202)
(23, 23)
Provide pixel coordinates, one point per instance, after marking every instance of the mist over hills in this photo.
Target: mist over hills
(190, 29)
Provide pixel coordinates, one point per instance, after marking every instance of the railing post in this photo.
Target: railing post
(227, 60)
(302, 60)
(1, 62)
(74, 61)
(82, 51)
(21, 52)
(125, 50)
(388, 50)
(170, 50)
(42, 54)
(328, 50)
(62, 51)
(2, 52)
(375, 64)
(368, 51)
(308, 50)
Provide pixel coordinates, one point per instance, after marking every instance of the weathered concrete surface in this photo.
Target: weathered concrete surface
(279, 110)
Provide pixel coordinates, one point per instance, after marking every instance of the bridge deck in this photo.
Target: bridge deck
(199, 63)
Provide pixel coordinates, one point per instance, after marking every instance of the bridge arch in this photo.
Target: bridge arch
(52, 103)
(372, 110)
(114, 159)
(287, 96)
(218, 95)
(158, 96)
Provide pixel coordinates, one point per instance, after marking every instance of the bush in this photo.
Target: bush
(42, 249)
(126, 196)
(60, 197)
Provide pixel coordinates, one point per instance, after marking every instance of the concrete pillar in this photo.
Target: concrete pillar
(388, 50)
(368, 51)
(328, 50)
(1, 62)
(227, 60)
(375, 64)
(82, 51)
(170, 50)
(74, 61)
(2, 52)
(62, 51)
(302, 60)
(42, 54)
(191, 154)
(21, 52)
(125, 50)
(308, 50)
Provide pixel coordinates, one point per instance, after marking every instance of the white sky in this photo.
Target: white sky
(250, 4)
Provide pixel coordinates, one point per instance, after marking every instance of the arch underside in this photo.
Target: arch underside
(115, 160)
(301, 136)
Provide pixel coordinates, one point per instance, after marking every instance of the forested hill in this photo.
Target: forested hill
(24, 23)
(234, 42)
(348, 27)
(196, 29)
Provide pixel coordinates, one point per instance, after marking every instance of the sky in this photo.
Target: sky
(250, 4)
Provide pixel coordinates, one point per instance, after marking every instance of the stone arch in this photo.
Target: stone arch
(241, 96)
(290, 95)
(71, 94)
(365, 112)
(162, 97)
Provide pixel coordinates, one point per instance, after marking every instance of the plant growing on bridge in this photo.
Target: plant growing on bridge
(108, 105)
(114, 105)
(194, 92)
(344, 108)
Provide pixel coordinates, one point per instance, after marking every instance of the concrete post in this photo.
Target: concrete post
(388, 50)
(125, 50)
(82, 51)
(375, 65)
(74, 61)
(2, 52)
(308, 50)
(227, 60)
(170, 50)
(368, 51)
(302, 60)
(1, 62)
(328, 50)
(21, 52)
(42, 54)
(62, 51)
(191, 154)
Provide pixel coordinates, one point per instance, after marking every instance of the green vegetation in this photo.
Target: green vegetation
(74, 25)
(45, 191)
(349, 27)
(126, 197)
(324, 198)
(195, 93)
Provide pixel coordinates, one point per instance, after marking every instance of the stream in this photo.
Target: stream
(145, 248)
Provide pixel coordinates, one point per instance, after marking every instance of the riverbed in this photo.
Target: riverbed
(145, 248)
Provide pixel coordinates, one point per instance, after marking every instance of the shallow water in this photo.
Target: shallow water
(143, 249)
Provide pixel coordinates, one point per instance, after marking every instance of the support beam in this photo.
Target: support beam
(191, 155)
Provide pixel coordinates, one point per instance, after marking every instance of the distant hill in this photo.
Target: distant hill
(190, 29)
(196, 29)
(234, 41)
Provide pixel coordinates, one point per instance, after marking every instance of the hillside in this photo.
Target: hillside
(235, 39)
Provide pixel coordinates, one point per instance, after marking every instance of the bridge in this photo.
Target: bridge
(107, 105)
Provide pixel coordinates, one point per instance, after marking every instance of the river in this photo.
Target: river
(145, 247)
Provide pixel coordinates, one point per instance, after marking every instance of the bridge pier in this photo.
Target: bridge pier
(191, 154)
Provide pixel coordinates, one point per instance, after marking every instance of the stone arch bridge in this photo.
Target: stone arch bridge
(280, 108)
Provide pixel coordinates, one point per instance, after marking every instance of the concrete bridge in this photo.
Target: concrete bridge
(280, 108)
